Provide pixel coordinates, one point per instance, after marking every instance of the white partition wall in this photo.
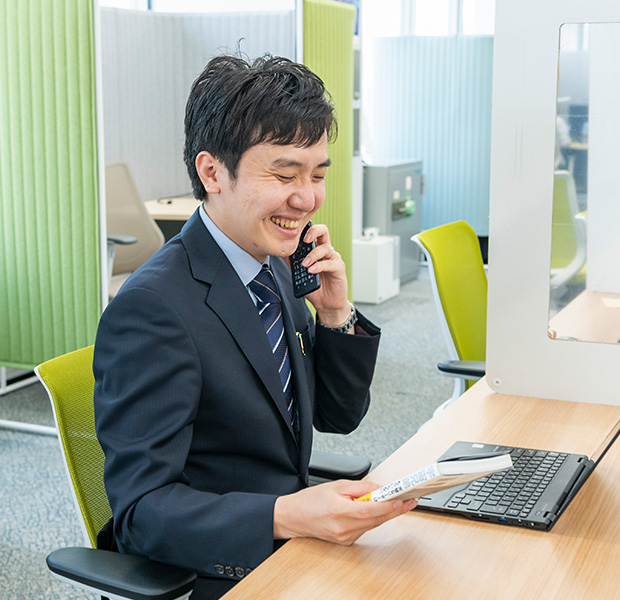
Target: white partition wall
(522, 356)
(149, 63)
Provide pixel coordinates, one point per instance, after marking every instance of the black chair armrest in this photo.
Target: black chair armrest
(468, 369)
(134, 577)
(326, 465)
(123, 240)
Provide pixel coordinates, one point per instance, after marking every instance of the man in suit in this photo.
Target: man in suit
(207, 446)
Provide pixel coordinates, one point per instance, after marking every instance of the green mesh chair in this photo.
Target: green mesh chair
(568, 236)
(459, 284)
(69, 382)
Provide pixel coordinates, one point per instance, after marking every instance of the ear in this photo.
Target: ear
(208, 168)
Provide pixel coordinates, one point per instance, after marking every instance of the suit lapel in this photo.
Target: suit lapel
(209, 264)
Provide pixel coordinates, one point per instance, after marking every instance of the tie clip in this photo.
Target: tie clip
(301, 342)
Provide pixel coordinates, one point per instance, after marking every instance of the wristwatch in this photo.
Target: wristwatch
(346, 326)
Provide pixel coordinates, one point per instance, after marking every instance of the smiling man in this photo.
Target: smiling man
(205, 420)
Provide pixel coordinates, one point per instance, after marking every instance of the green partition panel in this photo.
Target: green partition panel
(50, 289)
(328, 51)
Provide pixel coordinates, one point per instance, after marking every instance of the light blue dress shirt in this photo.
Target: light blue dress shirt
(245, 265)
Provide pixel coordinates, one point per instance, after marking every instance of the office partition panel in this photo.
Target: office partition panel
(432, 102)
(50, 288)
(149, 61)
(574, 354)
(328, 51)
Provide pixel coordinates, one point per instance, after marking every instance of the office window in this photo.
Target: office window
(448, 17)
(575, 38)
(478, 17)
(200, 6)
(434, 17)
(380, 19)
(126, 4)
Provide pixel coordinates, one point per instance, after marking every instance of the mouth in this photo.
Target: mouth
(285, 223)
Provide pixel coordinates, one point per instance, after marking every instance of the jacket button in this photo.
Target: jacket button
(219, 569)
(230, 571)
(239, 572)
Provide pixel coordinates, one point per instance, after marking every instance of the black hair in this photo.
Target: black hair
(234, 105)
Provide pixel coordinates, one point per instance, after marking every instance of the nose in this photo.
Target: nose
(306, 196)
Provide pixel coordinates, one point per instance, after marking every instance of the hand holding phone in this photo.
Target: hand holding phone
(303, 281)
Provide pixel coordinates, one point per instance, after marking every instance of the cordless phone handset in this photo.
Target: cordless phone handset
(303, 281)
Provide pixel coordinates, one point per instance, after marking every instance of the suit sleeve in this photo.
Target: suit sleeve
(147, 391)
(344, 368)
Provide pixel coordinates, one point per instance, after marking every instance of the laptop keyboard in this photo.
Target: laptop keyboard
(512, 493)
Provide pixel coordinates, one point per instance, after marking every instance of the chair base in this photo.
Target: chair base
(8, 385)
(11, 384)
(28, 428)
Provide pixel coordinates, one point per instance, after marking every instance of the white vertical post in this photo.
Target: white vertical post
(299, 31)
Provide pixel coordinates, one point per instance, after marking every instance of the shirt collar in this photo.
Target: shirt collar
(243, 263)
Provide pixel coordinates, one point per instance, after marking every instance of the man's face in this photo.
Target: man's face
(277, 190)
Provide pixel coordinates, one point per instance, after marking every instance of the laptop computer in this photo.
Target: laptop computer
(532, 494)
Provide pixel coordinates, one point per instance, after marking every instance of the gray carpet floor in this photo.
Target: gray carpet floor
(38, 514)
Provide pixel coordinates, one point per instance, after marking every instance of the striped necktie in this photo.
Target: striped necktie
(270, 309)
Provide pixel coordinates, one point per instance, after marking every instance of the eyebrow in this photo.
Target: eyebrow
(286, 162)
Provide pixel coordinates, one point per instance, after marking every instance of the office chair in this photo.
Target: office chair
(568, 237)
(131, 227)
(459, 285)
(69, 382)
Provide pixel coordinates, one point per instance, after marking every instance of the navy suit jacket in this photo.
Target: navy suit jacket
(190, 412)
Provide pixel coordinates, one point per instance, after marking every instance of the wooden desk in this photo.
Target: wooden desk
(172, 209)
(171, 213)
(591, 317)
(433, 556)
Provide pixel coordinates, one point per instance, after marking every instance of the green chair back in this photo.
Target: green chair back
(563, 237)
(460, 284)
(568, 235)
(69, 381)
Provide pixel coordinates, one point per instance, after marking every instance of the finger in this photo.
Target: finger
(320, 235)
(326, 252)
(394, 509)
(333, 265)
(319, 253)
(387, 508)
(377, 513)
(326, 256)
(354, 488)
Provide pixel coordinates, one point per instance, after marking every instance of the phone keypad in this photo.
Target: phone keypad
(303, 281)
